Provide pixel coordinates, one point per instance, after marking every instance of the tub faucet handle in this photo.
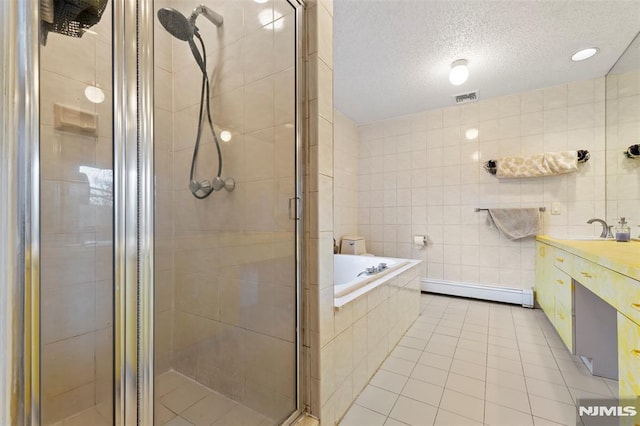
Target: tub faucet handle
(382, 266)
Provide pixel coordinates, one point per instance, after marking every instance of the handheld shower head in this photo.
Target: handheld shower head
(176, 24)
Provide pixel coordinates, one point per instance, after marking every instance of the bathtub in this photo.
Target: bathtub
(347, 285)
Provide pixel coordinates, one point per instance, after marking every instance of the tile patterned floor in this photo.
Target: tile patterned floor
(466, 362)
(181, 401)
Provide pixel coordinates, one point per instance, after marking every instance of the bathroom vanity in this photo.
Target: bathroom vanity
(590, 291)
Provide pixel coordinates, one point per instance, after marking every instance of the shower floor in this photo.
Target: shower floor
(181, 401)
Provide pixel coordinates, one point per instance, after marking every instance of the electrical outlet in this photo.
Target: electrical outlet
(555, 208)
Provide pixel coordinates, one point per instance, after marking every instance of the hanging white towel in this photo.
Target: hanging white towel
(515, 223)
(545, 164)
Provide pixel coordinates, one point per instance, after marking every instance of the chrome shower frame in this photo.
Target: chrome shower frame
(133, 212)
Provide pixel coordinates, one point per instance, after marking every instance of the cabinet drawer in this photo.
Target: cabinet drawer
(562, 284)
(563, 260)
(620, 291)
(628, 357)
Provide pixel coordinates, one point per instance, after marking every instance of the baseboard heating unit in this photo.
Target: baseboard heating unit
(476, 291)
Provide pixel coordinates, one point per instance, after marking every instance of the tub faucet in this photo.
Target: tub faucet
(606, 229)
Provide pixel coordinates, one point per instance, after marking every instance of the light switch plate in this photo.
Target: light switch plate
(555, 208)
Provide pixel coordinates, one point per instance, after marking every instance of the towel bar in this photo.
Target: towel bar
(542, 209)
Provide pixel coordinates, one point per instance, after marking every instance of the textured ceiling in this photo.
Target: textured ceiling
(392, 57)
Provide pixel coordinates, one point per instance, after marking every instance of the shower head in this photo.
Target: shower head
(176, 24)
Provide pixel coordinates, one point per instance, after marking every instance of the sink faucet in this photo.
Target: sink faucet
(606, 229)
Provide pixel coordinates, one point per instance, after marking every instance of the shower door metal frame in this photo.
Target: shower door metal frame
(19, 214)
(20, 399)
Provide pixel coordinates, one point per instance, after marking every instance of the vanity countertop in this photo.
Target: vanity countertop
(623, 258)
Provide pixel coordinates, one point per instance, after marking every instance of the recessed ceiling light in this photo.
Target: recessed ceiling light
(583, 54)
(459, 72)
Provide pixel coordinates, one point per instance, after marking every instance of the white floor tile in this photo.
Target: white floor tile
(376, 399)
(466, 385)
(405, 353)
(508, 397)
(445, 418)
(469, 369)
(430, 374)
(398, 366)
(423, 392)
(504, 378)
(548, 390)
(435, 360)
(413, 342)
(505, 364)
(553, 410)
(503, 352)
(388, 380)
(393, 422)
(208, 409)
(184, 396)
(547, 374)
(498, 415)
(474, 357)
(463, 405)
(508, 367)
(179, 421)
(472, 345)
(413, 412)
(358, 416)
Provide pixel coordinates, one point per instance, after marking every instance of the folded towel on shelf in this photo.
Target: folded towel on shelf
(515, 223)
(545, 164)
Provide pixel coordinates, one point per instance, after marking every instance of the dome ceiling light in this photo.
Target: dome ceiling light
(459, 72)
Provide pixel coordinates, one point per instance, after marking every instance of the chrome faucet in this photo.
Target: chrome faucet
(606, 229)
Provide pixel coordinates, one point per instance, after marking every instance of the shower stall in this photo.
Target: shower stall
(150, 196)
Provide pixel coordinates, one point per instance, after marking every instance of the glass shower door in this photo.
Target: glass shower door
(226, 341)
(76, 185)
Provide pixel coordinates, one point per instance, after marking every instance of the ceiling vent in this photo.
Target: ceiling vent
(464, 98)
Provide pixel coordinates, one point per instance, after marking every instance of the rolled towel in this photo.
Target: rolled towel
(545, 164)
(515, 223)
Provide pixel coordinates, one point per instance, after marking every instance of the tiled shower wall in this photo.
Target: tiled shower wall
(345, 168)
(419, 175)
(234, 291)
(623, 128)
(76, 229)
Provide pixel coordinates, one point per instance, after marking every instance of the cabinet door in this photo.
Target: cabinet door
(628, 357)
(563, 312)
(544, 270)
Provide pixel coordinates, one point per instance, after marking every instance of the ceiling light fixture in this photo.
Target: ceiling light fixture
(459, 72)
(583, 54)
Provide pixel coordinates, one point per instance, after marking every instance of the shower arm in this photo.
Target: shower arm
(215, 18)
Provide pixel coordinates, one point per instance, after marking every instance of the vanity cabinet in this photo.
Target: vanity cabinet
(590, 291)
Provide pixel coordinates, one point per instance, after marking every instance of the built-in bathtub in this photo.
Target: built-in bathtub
(347, 285)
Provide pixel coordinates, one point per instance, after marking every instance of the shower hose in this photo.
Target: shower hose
(194, 185)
